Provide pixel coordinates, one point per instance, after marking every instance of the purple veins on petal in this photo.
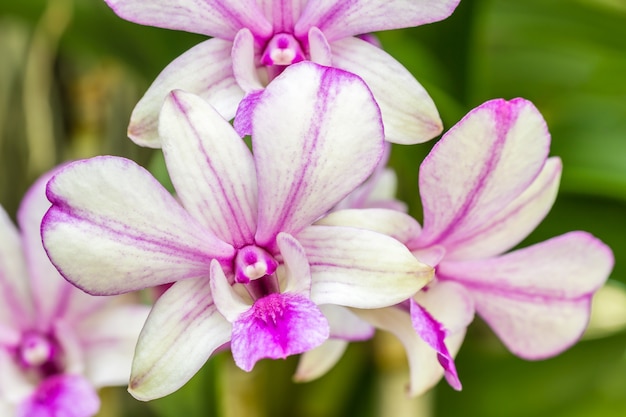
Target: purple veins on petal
(276, 326)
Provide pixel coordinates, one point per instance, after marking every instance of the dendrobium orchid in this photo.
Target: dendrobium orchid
(58, 345)
(484, 187)
(255, 40)
(247, 262)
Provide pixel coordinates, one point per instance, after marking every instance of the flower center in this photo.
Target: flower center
(36, 350)
(252, 263)
(282, 49)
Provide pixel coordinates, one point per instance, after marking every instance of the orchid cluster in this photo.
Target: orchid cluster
(284, 236)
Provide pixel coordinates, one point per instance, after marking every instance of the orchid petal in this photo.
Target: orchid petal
(14, 383)
(52, 295)
(61, 395)
(14, 291)
(319, 48)
(536, 299)
(108, 339)
(243, 119)
(210, 167)
(296, 264)
(318, 361)
(480, 166)
(359, 268)
(409, 114)
(6, 408)
(514, 222)
(227, 301)
(243, 62)
(424, 368)
(393, 223)
(48, 288)
(71, 346)
(277, 326)
(378, 191)
(215, 18)
(205, 70)
(383, 191)
(10, 335)
(113, 228)
(338, 19)
(449, 303)
(450, 306)
(283, 14)
(182, 331)
(316, 139)
(346, 325)
(431, 255)
(433, 333)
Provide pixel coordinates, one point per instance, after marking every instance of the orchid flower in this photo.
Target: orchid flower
(248, 265)
(484, 187)
(253, 41)
(378, 191)
(58, 345)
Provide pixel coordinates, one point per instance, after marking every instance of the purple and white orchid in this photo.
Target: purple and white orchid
(248, 264)
(58, 345)
(484, 187)
(255, 40)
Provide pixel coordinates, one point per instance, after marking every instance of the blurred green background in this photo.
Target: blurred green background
(71, 72)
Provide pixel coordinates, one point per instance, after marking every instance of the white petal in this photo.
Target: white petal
(317, 362)
(71, 346)
(217, 18)
(514, 222)
(52, 296)
(113, 228)
(392, 223)
(536, 299)
(182, 331)
(311, 148)
(227, 301)
(205, 70)
(409, 114)
(297, 271)
(346, 325)
(15, 297)
(283, 14)
(359, 268)
(319, 49)
(210, 167)
(340, 19)
(424, 368)
(14, 383)
(109, 340)
(243, 62)
(480, 165)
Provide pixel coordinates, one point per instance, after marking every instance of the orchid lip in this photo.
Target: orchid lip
(253, 262)
(282, 49)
